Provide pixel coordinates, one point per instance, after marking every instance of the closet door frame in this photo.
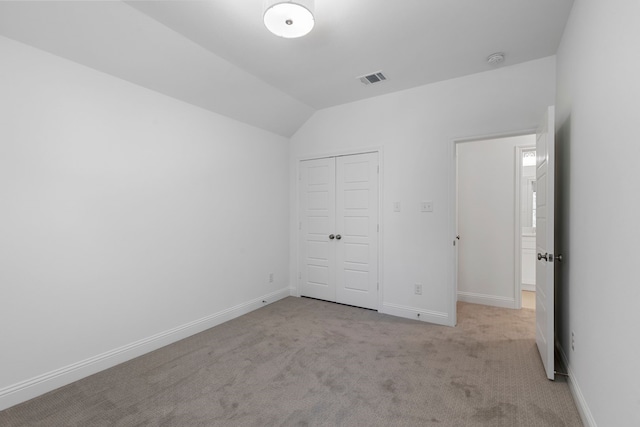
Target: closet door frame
(297, 278)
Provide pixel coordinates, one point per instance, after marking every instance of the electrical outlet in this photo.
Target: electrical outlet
(417, 289)
(573, 341)
(270, 277)
(426, 206)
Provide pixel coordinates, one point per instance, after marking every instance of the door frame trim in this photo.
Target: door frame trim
(341, 153)
(518, 225)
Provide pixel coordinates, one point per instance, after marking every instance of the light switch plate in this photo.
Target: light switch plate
(396, 206)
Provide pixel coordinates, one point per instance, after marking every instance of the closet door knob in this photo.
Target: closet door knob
(331, 237)
(338, 237)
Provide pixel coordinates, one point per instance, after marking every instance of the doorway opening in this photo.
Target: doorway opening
(495, 208)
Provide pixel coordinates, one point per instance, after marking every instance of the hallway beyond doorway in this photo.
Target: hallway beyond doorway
(529, 300)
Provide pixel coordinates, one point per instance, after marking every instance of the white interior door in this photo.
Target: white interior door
(317, 211)
(339, 229)
(545, 168)
(357, 227)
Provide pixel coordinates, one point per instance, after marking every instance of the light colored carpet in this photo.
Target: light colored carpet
(303, 362)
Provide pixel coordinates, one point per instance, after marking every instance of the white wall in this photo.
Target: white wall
(486, 220)
(598, 102)
(125, 216)
(416, 129)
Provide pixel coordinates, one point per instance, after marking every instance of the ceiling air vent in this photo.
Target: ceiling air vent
(373, 78)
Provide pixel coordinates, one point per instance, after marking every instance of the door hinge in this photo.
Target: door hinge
(378, 168)
(300, 225)
(378, 228)
(378, 287)
(300, 275)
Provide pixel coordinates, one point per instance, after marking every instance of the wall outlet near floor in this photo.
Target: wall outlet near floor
(573, 341)
(426, 206)
(270, 277)
(417, 289)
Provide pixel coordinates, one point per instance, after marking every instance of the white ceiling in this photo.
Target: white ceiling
(218, 55)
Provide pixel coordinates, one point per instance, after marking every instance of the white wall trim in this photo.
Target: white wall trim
(517, 232)
(463, 139)
(437, 317)
(36, 386)
(518, 285)
(453, 227)
(339, 153)
(380, 151)
(492, 300)
(576, 392)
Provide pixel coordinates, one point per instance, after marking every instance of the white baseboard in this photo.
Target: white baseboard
(531, 287)
(293, 291)
(436, 317)
(36, 386)
(492, 300)
(578, 397)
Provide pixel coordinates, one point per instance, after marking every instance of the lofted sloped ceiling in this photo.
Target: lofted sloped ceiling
(218, 55)
(119, 40)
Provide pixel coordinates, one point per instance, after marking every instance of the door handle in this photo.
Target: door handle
(331, 237)
(541, 257)
(338, 237)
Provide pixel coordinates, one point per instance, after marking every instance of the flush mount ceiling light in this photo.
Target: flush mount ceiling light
(289, 19)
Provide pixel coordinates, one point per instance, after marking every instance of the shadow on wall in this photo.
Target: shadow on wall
(562, 230)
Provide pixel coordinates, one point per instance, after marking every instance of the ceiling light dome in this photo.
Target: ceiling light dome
(289, 19)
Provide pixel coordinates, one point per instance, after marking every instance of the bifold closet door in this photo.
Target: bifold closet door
(339, 229)
(317, 224)
(357, 224)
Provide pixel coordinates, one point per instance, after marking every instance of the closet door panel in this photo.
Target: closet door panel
(317, 222)
(357, 224)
